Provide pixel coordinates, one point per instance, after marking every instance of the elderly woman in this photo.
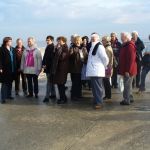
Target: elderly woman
(31, 65)
(78, 55)
(97, 63)
(60, 68)
(127, 66)
(106, 40)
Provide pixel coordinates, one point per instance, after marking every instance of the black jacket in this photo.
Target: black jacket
(48, 58)
(8, 74)
(139, 46)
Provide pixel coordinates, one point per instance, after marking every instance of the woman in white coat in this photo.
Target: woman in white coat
(97, 63)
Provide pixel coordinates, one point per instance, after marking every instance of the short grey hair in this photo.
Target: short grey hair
(96, 35)
(127, 35)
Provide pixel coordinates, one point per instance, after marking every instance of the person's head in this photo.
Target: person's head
(113, 36)
(7, 41)
(49, 39)
(72, 38)
(125, 37)
(106, 40)
(19, 43)
(61, 40)
(85, 40)
(78, 41)
(95, 37)
(135, 35)
(31, 41)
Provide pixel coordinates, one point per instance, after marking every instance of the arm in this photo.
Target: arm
(103, 56)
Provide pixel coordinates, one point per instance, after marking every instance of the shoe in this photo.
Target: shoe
(105, 98)
(29, 96)
(36, 96)
(131, 101)
(108, 100)
(124, 103)
(3, 102)
(46, 100)
(52, 97)
(61, 101)
(17, 93)
(98, 106)
(10, 98)
(25, 93)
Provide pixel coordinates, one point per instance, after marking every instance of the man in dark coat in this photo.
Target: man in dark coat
(19, 51)
(139, 48)
(47, 65)
(7, 68)
(127, 66)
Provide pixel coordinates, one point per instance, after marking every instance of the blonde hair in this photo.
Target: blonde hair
(107, 39)
(77, 38)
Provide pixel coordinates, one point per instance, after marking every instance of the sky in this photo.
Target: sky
(39, 18)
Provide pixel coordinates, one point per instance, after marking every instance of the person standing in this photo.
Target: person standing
(19, 51)
(47, 65)
(31, 65)
(139, 48)
(127, 66)
(106, 40)
(60, 68)
(146, 68)
(96, 65)
(78, 55)
(116, 46)
(7, 68)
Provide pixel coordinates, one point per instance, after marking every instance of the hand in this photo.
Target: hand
(44, 66)
(1, 71)
(127, 74)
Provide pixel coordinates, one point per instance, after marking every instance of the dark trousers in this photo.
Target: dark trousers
(107, 87)
(61, 90)
(114, 77)
(17, 82)
(144, 73)
(32, 83)
(6, 89)
(76, 90)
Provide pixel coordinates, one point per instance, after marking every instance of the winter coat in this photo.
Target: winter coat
(127, 59)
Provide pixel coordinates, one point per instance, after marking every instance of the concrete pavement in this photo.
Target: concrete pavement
(28, 124)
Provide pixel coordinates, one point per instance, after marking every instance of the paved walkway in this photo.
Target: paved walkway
(31, 125)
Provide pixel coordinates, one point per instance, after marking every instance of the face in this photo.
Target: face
(93, 39)
(104, 41)
(113, 37)
(19, 43)
(30, 42)
(123, 38)
(85, 42)
(72, 39)
(134, 37)
(77, 42)
(49, 41)
(60, 42)
(9, 43)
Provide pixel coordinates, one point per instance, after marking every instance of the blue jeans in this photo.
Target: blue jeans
(97, 89)
(50, 88)
(6, 89)
(145, 71)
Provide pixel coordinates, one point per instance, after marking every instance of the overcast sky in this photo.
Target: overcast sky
(39, 18)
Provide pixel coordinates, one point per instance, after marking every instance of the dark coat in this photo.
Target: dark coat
(19, 56)
(75, 61)
(139, 47)
(60, 65)
(8, 74)
(127, 59)
(48, 58)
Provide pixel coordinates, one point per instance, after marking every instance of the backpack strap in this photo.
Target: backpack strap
(96, 48)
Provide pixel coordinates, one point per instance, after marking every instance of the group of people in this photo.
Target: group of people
(91, 62)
